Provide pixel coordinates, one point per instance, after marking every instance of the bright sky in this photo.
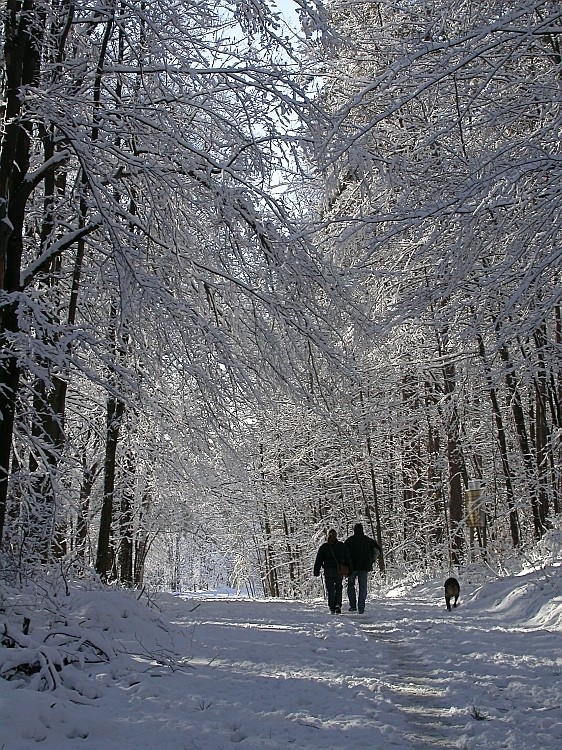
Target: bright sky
(217, 671)
(287, 7)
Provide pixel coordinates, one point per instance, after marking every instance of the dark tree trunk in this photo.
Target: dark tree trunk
(376, 528)
(89, 475)
(22, 49)
(105, 553)
(272, 586)
(455, 461)
(523, 439)
(434, 478)
(411, 464)
(541, 428)
(502, 443)
(556, 401)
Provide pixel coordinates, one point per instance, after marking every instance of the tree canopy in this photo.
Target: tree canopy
(256, 283)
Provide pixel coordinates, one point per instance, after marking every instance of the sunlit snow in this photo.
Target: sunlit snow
(217, 670)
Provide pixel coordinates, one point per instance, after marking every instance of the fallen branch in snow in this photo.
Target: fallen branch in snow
(50, 643)
(40, 664)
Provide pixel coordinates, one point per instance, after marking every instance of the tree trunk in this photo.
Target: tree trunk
(105, 553)
(435, 485)
(502, 442)
(89, 475)
(523, 439)
(541, 428)
(126, 533)
(22, 50)
(410, 464)
(455, 460)
(556, 398)
(376, 528)
(142, 541)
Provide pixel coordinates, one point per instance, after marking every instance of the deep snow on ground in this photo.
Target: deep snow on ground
(213, 671)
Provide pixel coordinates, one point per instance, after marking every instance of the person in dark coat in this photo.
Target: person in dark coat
(364, 552)
(329, 555)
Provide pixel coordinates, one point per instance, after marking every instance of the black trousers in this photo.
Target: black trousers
(334, 587)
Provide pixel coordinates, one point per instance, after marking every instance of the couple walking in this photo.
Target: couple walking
(359, 554)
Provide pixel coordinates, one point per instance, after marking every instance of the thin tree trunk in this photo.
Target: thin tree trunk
(411, 467)
(376, 528)
(270, 584)
(541, 427)
(126, 525)
(556, 399)
(143, 541)
(89, 475)
(523, 439)
(502, 442)
(291, 556)
(455, 461)
(105, 553)
(435, 485)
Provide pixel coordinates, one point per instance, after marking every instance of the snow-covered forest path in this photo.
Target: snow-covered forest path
(406, 674)
(316, 680)
(204, 672)
(415, 692)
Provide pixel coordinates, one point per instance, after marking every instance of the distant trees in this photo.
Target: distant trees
(439, 197)
(147, 279)
(440, 192)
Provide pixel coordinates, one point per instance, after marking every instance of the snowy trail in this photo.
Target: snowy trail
(408, 674)
(318, 680)
(212, 673)
(486, 675)
(416, 692)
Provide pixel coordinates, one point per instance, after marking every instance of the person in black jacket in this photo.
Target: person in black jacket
(329, 555)
(364, 552)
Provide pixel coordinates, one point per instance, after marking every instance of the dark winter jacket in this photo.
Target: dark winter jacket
(364, 550)
(329, 555)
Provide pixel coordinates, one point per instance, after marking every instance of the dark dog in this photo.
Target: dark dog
(452, 589)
